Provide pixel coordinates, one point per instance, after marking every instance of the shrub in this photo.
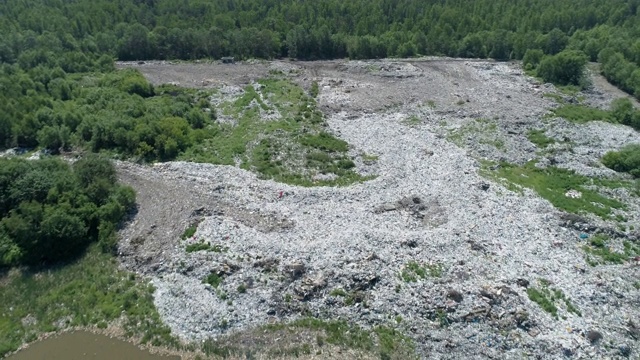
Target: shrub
(50, 211)
(213, 279)
(314, 89)
(625, 160)
(54, 138)
(532, 58)
(622, 110)
(137, 84)
(565, 68)
(539, 138)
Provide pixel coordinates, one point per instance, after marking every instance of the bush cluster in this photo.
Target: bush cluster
(51, 210)
(118, 111)
(625, 160)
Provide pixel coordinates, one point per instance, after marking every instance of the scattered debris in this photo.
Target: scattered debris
(429, 241)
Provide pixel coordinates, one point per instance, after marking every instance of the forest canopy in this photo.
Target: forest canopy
(59, 89)
(79, 36)
(50, 210)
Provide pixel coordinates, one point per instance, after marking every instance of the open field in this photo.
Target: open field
(487, 228)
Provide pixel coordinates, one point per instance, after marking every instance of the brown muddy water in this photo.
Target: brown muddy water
(82, 345)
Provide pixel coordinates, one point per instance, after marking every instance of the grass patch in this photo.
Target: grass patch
(558, 98)
(350, 298)
(197, 247)
(570, 90)
(338, 292)
(90, 291)
(292, 147)
(369, 159)
(413, 271)
(482, 131)
(412, 120)
(213, 279)
(539, 138)
(387, 342)
(547, 298)
(443, 319)
(598, 251)
(552, 184)
(202, 246)
(326, 142)
(392, 343)
(337, 332)
(582, 114)
(621, 111)
(189, 232)
(543, 301)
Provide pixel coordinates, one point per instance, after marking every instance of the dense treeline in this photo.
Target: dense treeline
(119, 111)
(48, 48)
(192, 29)
(72, 34)
(50, 210)
(58, 87)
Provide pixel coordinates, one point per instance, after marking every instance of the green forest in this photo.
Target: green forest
(60, 92)
(59, 88)
(52, 211)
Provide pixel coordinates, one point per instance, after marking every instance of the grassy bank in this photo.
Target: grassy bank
(553, 184)
(313, 338)
(621, 111)
(275, 129)
(93, 293)
(90, 291)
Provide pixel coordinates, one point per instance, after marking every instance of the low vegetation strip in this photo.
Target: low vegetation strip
(554, 184)
(313, 336)
(549, 298)
(88, 292)
(582, 114)
(621, 112)
(275, 129)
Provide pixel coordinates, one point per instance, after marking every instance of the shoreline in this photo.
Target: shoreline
(112, 331)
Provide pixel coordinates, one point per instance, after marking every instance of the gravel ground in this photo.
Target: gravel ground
(283, 256)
